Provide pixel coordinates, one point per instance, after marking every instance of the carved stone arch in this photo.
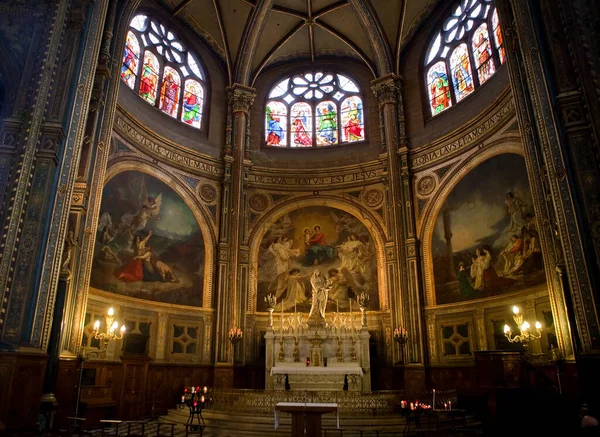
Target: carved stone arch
(366, 217)
(200, 214)
(372, 27)
(435, 205)
(247, 49)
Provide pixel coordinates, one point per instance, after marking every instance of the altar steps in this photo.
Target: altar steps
(237, 424)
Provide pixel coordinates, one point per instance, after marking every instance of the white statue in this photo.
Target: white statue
(320, 292)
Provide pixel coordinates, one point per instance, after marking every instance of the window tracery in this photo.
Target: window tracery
(314, 109)
(461, 56)
(169, 76)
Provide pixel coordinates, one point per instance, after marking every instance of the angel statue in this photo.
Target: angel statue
(148, 208)
(320, 292)
(70, 245)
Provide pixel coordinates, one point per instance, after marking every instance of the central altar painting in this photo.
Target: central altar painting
(317, 240)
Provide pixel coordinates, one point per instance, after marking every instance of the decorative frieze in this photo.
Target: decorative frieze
(467, 137)
(172, 154)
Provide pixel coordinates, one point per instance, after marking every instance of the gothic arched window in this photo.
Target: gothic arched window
(158, 66)
(314, 109)
(462, 55)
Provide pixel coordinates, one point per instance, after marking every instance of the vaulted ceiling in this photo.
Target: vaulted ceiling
(250, 35)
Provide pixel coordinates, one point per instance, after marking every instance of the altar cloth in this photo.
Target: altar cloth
(295, 369)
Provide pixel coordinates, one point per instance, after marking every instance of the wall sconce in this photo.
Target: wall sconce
(112, 333)
(401, 337)
(525, 333)
(235, 335)
(112, 329)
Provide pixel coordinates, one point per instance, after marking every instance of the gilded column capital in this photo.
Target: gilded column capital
(241, 97)
(386, 88)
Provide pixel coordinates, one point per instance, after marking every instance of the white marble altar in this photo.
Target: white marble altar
(344, 350)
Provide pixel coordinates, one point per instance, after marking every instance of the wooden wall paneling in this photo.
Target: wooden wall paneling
(22, 378)
(133, 391)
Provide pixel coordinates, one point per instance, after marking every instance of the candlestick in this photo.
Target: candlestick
(434, 398)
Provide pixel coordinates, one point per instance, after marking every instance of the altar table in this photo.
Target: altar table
(305, 417)
(302, 377)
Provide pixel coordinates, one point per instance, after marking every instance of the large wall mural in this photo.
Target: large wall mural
(313, 242)
(149, 244)
(485, 241)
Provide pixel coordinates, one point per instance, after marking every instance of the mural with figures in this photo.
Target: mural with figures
(317, 241)
(149, 244)
(485, 240)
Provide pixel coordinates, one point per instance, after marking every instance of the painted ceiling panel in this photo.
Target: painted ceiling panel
(345, 22)
(297, 5)
(296, 46)
(389, 14)
(235, 13)
(278, 26)
(326, 44)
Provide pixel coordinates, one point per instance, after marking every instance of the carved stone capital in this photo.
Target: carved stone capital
(241, 98)
(386, 89)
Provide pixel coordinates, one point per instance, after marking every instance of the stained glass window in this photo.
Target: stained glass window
(131, 57)
(276, 124)
(170, 77)
(461, 56)
(460, 68)
(482, 52)
(438, 88)
(498, 37)
(321, 109)
(169, 94)
(352, 119)
(192, 103)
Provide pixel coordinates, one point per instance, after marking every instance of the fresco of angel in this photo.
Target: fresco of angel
(149, 244)
(148, 208)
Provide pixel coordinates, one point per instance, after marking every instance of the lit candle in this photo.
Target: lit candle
(412, 406)
(111, 312)
(434, 398)
(182, 399)
(205, 389)
(449, 405)
(445, 405)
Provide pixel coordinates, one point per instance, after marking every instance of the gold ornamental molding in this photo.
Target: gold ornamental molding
(166, 151)
(466, 136)
(323, 179)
